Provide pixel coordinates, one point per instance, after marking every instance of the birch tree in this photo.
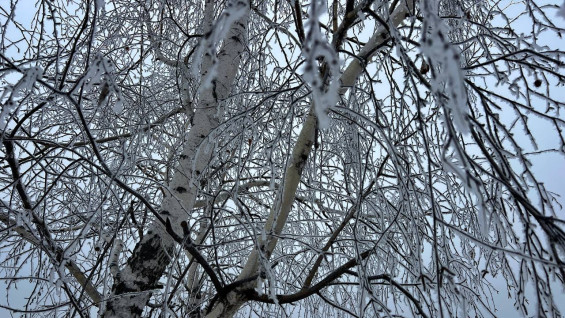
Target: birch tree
(282, 158)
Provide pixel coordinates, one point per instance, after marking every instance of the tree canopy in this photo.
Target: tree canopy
(291, 158)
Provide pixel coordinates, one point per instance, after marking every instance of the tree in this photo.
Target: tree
(281, 158)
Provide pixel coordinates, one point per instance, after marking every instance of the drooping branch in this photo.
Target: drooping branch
(350, 214)
(41, 236)
(279, 214)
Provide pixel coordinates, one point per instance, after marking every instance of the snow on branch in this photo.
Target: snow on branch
(24, 84)
(101, 70)
(316, 48)
(447, 77)
(448, 85)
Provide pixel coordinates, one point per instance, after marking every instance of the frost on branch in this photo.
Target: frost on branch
(28, 80)
(447, 78)
(101, 71)
(6, 113)
(24, 84)
(448, 85)
(100, 5)
(317, 47)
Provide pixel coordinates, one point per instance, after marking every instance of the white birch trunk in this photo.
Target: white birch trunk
(278, 216)
(151, 256)
(132, 288)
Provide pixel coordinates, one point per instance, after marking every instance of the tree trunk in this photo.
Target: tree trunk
(133, 284)
(230, 304)
(151, 256)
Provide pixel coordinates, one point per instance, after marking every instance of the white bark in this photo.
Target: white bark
(104, 128)
(137, 277)
(279, 215)
(151, 256)
(356, 66)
